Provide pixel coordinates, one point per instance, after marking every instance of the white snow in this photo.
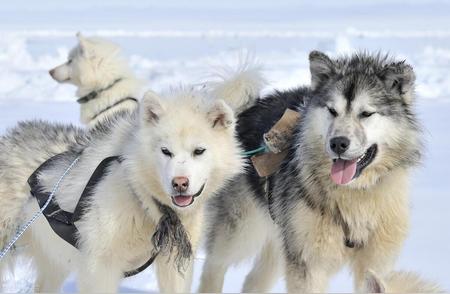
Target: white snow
(172, 42)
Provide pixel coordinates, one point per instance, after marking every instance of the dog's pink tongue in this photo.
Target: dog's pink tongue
(183, 200)
(343, 171)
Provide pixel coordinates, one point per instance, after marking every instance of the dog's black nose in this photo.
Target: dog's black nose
(180, 184)
(339, 144)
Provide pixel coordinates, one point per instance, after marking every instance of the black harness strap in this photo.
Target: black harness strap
(96, 177)
(142, 267)
(59, 220)
(92, 95)
(114, 105)
(63, 222)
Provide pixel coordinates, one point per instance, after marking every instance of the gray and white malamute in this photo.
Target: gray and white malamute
(168, 158)
(341, 194)
(104, 80)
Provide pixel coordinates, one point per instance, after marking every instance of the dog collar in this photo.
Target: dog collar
(92, 95)
(114, 105)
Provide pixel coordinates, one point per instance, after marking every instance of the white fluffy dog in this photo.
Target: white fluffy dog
(180, 122)
(105, 83)
(172, 156)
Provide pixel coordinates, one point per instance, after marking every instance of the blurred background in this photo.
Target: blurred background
(173, 42)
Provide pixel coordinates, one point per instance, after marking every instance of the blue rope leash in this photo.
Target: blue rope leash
(262, 149)
(23, 228)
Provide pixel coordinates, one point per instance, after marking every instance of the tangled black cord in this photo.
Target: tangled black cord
(170, 235)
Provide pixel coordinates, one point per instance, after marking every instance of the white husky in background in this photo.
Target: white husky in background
(105, 82)
(399, 282)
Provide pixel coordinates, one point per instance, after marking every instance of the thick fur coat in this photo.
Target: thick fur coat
(104, 81)
(332, 203)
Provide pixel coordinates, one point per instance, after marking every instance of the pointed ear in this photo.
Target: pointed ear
(81, 39)
(85, 46)
(151, 108)
(374, 284)
(221, 116)
(321, 67)
(115, 49)
(400, 77)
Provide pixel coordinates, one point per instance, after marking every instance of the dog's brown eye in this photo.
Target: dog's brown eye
(69, 61)
(199, 151)
(366, 114)
(166, 152)
(332, 111)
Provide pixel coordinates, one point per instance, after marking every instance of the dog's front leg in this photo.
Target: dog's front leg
(170, 280)
(302, 274)
(98, 276)
(384, 245)
(266, 269)
(304, 278)
(379, 256)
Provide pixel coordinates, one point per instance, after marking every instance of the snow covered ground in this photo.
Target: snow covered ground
(172, 42)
